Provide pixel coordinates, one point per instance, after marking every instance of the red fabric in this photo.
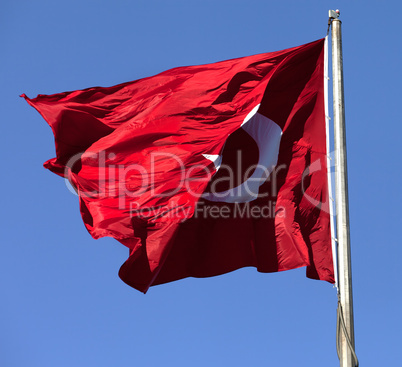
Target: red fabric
(125, 149)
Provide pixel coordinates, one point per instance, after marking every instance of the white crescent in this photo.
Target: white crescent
(267, 135)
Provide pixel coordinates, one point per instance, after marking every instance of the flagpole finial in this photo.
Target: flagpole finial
(334, 14)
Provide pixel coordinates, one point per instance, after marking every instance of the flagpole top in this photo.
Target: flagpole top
(334, 14)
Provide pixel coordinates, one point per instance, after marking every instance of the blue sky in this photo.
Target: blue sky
(62, 301)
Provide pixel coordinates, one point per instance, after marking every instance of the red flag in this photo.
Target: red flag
(202, 170)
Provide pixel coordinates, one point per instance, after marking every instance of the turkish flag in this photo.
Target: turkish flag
(202, 170)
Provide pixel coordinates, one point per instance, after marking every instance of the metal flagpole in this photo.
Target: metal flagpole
(345, 326)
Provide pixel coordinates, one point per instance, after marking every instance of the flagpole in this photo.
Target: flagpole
(345, 327)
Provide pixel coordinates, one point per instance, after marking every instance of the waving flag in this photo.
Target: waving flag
(202, 170)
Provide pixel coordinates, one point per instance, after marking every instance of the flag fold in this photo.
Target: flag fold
(203, 170)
